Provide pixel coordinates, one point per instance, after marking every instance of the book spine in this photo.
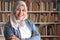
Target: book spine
(0, 5)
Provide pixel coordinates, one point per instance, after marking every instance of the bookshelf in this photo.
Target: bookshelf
(44, 13)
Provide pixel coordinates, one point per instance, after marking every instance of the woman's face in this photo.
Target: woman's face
(20, 12)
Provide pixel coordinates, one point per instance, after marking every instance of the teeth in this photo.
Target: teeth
(19, 15)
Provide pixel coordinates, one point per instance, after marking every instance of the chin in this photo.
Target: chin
(20, 18)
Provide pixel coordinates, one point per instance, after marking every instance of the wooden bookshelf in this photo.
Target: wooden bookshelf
(2, 23)
(35, 11)
(43, 11)
(51, 36)
(47, 22)
(43, 14)
(5, 11)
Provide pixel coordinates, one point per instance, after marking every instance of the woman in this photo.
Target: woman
(19, 27)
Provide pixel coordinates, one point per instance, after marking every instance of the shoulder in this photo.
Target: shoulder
(29, 20)
(8, 24)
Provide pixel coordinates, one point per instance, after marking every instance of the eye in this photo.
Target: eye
(23, 10)
(18, 9)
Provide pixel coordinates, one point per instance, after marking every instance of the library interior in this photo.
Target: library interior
(44, 13)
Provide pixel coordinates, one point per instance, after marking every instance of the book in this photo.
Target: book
(51, 6)
(6, 6)
(37, 17)
(50, 30)
(41, 19)
(42, 6)
(32, 16)
(58, 6)
(58, 17)
(35, 6)
(28, 15)
(13, 3)
(52, 17)
(0, 5)
(0, 17)
(9, 5)
(30, 8)
(0, 30)
(57, 29)
(43, 31)
(49, 17)
(45, 17)
(46, 6)
(5, 17)
(46, 38)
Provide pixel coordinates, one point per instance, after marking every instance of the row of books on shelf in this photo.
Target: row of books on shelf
(32, 6)
(4, 17)
(40, 6)
(44, 17)
(46, 29)
(5, 5)
(49, 31)
(35, 17)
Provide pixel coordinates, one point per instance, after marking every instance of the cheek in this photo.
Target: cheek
(24, 13)
(17, 12)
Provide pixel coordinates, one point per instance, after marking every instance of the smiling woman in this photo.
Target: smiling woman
(20, 13)
(19, 27)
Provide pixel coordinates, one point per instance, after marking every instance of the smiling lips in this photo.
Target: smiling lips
(20, 15)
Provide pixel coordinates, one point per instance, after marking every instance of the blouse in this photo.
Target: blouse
(9, 30)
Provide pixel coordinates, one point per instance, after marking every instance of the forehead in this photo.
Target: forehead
(21, 6)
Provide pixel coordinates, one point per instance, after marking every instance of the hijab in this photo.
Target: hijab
(13, 20)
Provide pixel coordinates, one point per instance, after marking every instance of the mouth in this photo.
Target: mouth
(20, 15)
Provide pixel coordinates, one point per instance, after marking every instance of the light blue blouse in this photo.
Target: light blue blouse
(9, 30)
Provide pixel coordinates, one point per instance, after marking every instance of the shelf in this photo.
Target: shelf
(42, 36)
(38, 22)
(47, 22)
(5, 11)
(51, 36)
(2, 23)
(36, 11)
(43, 11)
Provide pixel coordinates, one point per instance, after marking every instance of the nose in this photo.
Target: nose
(20, 11)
